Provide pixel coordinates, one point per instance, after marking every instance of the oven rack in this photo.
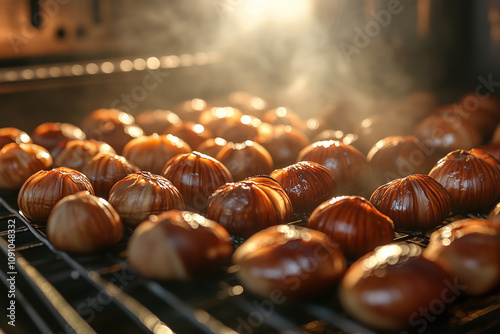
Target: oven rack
(60, 293)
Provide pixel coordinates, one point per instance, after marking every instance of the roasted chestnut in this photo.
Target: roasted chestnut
(394, 287)
(396, 157)
(470, 250)
(348, 165)
(192, 133)
(246, 102)
(104, 170)
(156, 121)
(151, 153)
(371, 129)
(245, 159)
(492, 149)
(83, 223)
(307, 184)
(190, 110)
(212, 146)
(19, 161)
(13, 135)
(289, 261)
(354, 223)
(50, 134)
(414, 203)
(284, 116)
(217, 118)
(472, 178)
(239, 130)
(178, 245)
(141, 194)
(197, 176)
(77, 153)
(487, 102)
(251, 205)
(284, 144)
(44, 189)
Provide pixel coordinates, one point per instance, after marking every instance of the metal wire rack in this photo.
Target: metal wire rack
(59, 293)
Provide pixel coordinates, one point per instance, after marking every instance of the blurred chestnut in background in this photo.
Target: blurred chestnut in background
(83, 223)
(314, 126)
(13, 135)
(151, 153)
(284, 144)
(413, 107)
(494, 214)
(387, 288)
(487, 102)
(156, 121)
(141, 194)
(192, 133)
(307, 184)
(251, 205)
(396, 157)
(284, 116)
(178, 245)
(244, 101)
(244, 128)
(104, 170)
(348, 165)
(212, 146)
(77, 153)
(370, 130)
(197, 176)
(245, 159)
(354, 223)
(44, 189)
(191, 110)
(217, 118)
(19, 161)
(49, 134)
(471, 178)
(338, 135)
(414, 203)
(468, 249)
(266, 258)
(492, 149)
(446, 134)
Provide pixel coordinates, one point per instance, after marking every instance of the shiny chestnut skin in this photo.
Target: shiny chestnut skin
(13, 135)
(19, 161)
(77, 153)
(446, 134)
(354, 223)
(388, 288)
(82, 223)
(249, 206)
(217, 118)
(472, 178)
(104, 170)
(49, 134)
(470, 250)
(245, 159)
(151, 153)
(178, 245)
(396, 157)
(244, 101)
(141, 194)
(190, 110)
(192, 133)
(44, 189)
(239, 130)
(294, 261)
(307, 184)
(284, 144)
(414, 203)
(212, 146)
(284, 116)
(156, 121)
(347, 164)
(197, 176)
(492, 149)
(489, 103)
(112, 126)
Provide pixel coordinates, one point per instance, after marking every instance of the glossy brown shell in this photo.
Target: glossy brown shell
(77, 153)
(354, 223)
(104, 170)
(212, 146)
(470, 250)
(237, 131)
(50, 134)
(492, 149)
(251, 205)
(482, 120)
(348, 165)
(44, 189)
(151, 153)
(387, 288)
(13, 135)
(82, 223)
(192, 133)
(178, 245)
(296, 261)
(471, 178)
(196, 176)
(156, 121)
(284, 116)
(245, 159)
(217, 118)
(190, 110)
(19, 161)
(307, 184)
(414, 203)
(141, 194)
